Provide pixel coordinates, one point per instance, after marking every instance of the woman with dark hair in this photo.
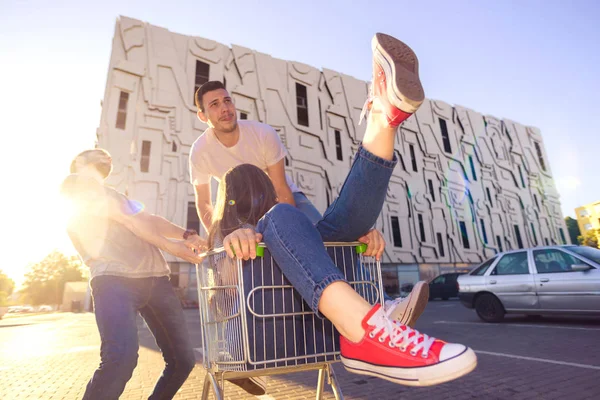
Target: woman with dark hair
(247, 212)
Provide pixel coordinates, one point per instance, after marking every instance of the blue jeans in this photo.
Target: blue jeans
(117, 302)
(297, 245)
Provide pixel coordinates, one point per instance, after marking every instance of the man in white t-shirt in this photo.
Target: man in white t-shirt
(228, 143)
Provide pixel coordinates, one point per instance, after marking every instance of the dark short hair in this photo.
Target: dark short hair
(207, 87)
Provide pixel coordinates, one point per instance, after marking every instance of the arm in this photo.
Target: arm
(204, 206)
(277, 174)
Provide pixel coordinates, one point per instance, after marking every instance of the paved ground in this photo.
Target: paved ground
(52, 357)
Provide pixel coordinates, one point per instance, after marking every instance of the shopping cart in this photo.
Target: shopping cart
(254, 323)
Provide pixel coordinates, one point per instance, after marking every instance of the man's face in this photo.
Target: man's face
(219, 111)
(101, 161)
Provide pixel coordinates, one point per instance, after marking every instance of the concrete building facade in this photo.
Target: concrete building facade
(467, 185)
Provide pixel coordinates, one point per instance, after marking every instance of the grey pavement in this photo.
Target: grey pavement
(52, 357)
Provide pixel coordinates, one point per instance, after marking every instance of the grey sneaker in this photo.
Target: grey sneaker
(408, 309)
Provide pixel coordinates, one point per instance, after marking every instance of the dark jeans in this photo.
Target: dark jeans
(117, 302)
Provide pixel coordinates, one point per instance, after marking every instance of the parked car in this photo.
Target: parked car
(444, 286)
(536, 281)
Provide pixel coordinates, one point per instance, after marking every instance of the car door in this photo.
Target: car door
(437, 286)
(560, 288)
(511, 280)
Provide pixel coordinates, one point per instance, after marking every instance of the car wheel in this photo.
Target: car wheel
(489, 308)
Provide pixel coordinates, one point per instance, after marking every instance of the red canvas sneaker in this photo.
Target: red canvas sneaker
(395, 79)
(399, 354)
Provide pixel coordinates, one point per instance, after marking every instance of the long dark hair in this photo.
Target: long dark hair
(245, 194)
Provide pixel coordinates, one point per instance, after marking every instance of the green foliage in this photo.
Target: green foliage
(45, 281)
(590, 238)
(573, 228)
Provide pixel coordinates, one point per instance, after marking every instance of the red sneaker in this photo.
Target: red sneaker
(402, 355)
(395, 79)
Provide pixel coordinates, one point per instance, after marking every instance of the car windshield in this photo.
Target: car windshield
(587, 252)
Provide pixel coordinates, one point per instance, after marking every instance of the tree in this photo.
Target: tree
(45, 281)
(573, 228)
(7, 286)
(590, 238)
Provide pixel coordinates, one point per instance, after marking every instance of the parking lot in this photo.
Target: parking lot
(53, 355)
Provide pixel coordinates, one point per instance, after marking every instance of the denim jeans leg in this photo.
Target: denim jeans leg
(359, 204)
(307, 207)
(298, 250)
(116, 301)
(164, 316)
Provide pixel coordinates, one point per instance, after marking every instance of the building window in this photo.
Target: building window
(243, 115)
(521, 174)
(562, 235)
(413, 160)
(174, 147)
(302, 104)
(445, 136)
(320, 115)
(546, 241)
(465, 235)
(535, 242)
(518, 236)
(193, 221)
(145, 160)
(225, 82)
(472, 168)
(537, 204)
(122, 111)
(538, 150)
(587, 227)
(584, 213)
(338, 145)
(440, 244)
(499, 243)
(489, 196)
(396, 232)
(421, 227)
(483, 232)
(431, 192)
(201, 76)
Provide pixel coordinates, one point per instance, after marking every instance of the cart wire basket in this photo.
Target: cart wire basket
(254, 323)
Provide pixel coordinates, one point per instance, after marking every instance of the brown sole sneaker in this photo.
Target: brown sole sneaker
(401, 67)
(410, 309)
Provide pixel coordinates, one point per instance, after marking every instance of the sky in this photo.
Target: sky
(535, 62)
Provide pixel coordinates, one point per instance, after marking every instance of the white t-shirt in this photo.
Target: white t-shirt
(258, 144)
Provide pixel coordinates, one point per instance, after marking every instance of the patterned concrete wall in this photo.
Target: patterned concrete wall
(459, 171)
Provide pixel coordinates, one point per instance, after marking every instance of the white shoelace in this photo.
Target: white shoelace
(402, 336)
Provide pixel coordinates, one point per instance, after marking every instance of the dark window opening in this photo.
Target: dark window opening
(338, 145)
(445, 136)
(521, 174)
(320, 115)
(472, 168)
(465, 235)
(483, 232)
(489, 196)
(499, 243)
(535, 242)
(546, 242)
(193, 221)
(243, 115)
(413, 160)
(440, 244)
(537, 204)
(538, 150)
(396, 232)
(287, 162)
(145, 159)
(122, 111)
(421, 227)
(201, 76)
(302, 104)
(518, 236)
(225, 82)
(174, 147)
(562, 236)
(431, 192)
